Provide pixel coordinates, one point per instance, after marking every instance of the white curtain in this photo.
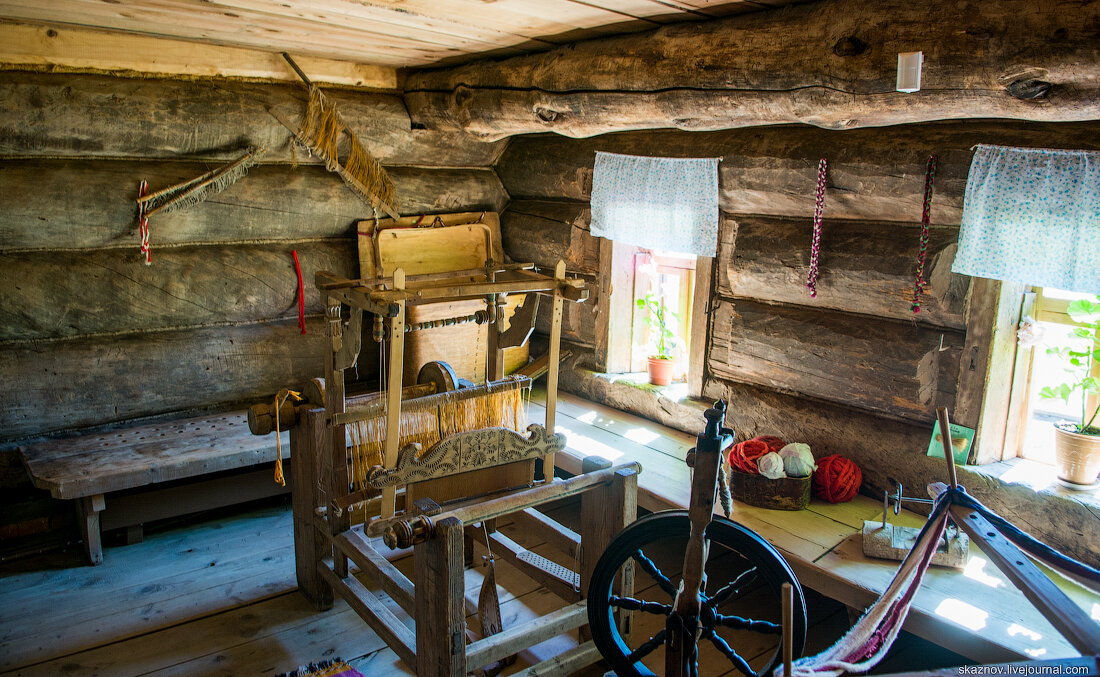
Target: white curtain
(1032, 215)
(669, 204)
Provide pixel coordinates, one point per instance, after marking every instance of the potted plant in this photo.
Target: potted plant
(1077, 443)
(659, 319)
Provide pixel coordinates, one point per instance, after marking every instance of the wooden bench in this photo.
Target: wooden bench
(120, 462)
(977, 613)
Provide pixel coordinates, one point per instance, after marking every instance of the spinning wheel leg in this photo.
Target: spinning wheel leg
(742, 602)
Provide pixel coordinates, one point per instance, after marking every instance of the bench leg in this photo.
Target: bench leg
(87, 517)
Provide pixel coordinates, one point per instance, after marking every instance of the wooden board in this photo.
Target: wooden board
(80, 50)
(397, 33)
(874, 174)
(90, 202)
(54, 294)
(402, 245)
(868, 268)
(108, 117)
(889, 367)
(75, 383)
(133, 457)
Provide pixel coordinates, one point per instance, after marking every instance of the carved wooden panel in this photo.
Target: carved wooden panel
(467, 451)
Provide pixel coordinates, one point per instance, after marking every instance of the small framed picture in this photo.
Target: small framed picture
(961, 439)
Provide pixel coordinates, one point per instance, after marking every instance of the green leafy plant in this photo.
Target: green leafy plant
(659, 318)
(1081, 364)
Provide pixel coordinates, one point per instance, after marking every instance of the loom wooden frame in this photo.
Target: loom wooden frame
(325, 541)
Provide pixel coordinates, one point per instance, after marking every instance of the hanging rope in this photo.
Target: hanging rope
(815, 244)
(143, 223)
(280, 398)
(301, 293)
(925, 219)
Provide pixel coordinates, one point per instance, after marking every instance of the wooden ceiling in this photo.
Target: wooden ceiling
(390, 33)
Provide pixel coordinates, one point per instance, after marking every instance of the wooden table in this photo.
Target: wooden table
(85, 468)
(976, 612)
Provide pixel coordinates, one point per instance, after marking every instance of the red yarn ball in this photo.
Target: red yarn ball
(744, 455)
(836, 479)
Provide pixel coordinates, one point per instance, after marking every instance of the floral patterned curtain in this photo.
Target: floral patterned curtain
(668, 204)
(1032, 215)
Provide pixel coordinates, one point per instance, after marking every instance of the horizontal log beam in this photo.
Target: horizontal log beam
(865, 268)
(543, 231)
(892, 368)
(1020, 59)
(76, 204)
(875, 174)
(60, 294)
(69, 384)
(65, 115)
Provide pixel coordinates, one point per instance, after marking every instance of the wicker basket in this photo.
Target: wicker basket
(786, 493)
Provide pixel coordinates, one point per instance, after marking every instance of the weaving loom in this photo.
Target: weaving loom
(431, 466)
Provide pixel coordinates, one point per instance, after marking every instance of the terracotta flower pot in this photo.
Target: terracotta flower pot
(660, 371)
(1077, 456)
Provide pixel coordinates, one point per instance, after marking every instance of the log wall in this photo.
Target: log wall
(852, 371)
(89, 333)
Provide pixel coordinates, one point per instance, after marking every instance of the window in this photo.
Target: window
(669, 278)
(680, 280)
(1042, 370)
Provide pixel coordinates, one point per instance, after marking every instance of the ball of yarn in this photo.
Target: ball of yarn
(837, 479)
(798, 461)
(743, 456)
(771, 466)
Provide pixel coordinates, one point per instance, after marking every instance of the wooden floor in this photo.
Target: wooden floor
(215, 595)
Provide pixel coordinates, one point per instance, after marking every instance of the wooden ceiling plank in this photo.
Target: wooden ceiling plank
(80, 49)
(530, 18)
(195, 27)
(233, 19)
(356, 16)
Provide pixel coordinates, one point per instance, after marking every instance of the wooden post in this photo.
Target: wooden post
(682, 640)
(788, 628)
(394, 368)
(948, 453)
(87, 513)
(338, 520)
(552, 374)
(604, 513)
(309, 441)
(440, 602)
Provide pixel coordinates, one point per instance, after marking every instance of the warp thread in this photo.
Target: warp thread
(426, 426)
(836, 479)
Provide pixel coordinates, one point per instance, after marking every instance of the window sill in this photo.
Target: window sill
(1039, 477)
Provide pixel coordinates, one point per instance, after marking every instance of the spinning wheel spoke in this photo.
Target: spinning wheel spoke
(739, 623)
(731, 588)
(647, 647)
(727, 650)
(631, 604)
(650, 568)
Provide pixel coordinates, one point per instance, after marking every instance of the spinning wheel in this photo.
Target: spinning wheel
(706, 589)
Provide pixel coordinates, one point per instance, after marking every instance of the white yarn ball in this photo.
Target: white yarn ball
(771, 465)
(797, 459)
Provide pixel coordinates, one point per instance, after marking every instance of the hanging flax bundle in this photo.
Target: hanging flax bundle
(194, 191)
(321, 132)
(427, 420)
